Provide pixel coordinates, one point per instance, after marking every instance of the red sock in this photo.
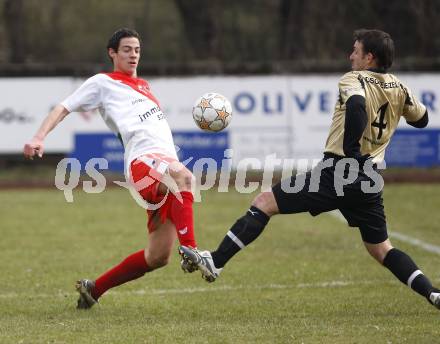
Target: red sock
(181, 215)
(132, 267)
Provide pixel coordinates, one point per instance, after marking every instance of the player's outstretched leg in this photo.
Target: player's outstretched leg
(405, 269)
(85, 288)
(241, 234)
(132, 267)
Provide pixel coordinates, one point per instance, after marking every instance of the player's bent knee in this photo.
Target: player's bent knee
(266, 202)
(156, 262)
(379, 251)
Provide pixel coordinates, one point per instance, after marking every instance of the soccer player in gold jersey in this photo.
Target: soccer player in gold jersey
(371, 103)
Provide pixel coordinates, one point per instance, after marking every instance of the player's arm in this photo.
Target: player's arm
(85, 98)
(421, 123)
(414, 112)
(356, 120)
(35, 146)
(352, 93)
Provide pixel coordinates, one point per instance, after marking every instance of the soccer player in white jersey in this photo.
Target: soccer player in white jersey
(371, 103)
(131, 111)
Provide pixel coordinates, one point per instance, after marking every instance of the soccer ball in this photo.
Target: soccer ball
(212, 112)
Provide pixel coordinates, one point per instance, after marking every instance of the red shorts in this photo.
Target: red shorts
(147, 172)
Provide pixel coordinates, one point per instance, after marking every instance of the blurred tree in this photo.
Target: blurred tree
(216, 36)
(202, 25)
(14, 19)
(291, 14)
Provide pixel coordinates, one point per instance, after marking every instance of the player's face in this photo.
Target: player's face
(126, 59)
(359, 60)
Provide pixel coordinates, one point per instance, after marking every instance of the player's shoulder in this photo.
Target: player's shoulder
(101, 77)
(353, 77)
(96, 79)
(121, 77)
(352, 82)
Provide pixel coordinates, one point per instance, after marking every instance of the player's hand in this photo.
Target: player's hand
(32, 148)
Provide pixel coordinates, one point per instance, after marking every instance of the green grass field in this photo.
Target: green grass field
(305, 280)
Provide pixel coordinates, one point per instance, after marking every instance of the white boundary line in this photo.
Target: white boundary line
(221, 288)
(399, 236)
(210, 289)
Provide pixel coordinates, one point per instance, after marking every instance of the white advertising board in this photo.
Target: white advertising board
(284, 115)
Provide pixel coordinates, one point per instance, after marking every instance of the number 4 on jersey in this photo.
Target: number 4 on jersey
(381, 125)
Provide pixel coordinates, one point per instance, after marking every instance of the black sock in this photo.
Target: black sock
(241, 234)
(404, 268)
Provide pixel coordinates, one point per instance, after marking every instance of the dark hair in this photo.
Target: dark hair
(115, 39)
(379, 44)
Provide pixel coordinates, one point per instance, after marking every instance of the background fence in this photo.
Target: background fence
(54, 37)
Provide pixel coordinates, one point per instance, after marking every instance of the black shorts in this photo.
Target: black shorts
(360, 209)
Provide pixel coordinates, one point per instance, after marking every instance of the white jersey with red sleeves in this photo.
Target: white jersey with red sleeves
(129, 109)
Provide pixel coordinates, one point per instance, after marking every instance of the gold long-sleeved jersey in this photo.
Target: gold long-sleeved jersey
(386, 100)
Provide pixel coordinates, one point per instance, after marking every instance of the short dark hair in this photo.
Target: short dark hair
(379, 44)
(115, 39)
